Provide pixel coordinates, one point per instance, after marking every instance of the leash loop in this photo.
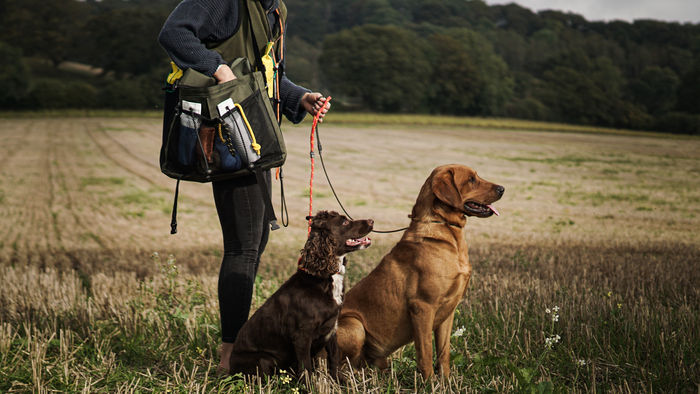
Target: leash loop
(314, 126)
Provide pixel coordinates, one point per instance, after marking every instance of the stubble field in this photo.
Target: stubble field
(588, 281)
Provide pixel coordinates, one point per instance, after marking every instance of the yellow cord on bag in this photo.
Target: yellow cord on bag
(256, 147)
(221, 135)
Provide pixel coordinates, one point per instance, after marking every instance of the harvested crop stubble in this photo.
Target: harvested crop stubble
(603, 227)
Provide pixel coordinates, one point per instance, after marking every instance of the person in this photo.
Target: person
(206, 35)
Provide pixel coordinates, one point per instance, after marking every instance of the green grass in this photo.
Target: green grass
(120, 129)
(80, 113)
(370, 119)
(477, 122)
(570, 160)
(160, 333)
(101, 181)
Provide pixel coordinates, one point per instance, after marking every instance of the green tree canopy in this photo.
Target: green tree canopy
(655, 89)
(494, 82)
(42, 28)
(14, 76)
(385, 67)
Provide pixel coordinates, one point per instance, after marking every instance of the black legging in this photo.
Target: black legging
(241, 210)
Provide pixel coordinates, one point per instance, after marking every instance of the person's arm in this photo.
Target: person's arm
(291, 97)
(193, 22)
(297, 101)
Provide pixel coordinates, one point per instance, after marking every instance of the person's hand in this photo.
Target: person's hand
(313, 102)
(224, 74)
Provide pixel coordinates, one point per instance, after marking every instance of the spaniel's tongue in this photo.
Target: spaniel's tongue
(493, 210)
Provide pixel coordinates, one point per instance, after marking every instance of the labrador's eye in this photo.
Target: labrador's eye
(345, 222)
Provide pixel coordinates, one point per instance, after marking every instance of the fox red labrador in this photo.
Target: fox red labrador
(416, 288)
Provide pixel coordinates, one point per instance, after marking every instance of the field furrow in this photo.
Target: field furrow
(81, 208)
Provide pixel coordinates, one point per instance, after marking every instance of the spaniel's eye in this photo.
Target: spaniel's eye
(345, 222)
(472, 179)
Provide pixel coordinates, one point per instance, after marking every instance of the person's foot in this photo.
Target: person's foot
(225, 350)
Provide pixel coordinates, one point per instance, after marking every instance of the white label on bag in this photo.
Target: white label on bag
(225, 106)
(195, 108)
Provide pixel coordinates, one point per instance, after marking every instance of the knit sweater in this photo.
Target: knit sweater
(193, 23)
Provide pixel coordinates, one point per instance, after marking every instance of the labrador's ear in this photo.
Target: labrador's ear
(446, 189)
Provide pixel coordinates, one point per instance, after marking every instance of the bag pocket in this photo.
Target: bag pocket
(260, 117)
(226, 157)
(205, 154)
(186, 137)
(238, 129)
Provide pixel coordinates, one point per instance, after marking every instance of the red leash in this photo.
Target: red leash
(311, 141)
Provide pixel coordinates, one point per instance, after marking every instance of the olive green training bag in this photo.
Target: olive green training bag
(221, 131)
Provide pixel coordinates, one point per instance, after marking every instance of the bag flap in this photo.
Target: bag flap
(196, 79)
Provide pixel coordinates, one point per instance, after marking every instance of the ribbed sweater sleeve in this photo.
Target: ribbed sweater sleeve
(290, 95)
(190, 25)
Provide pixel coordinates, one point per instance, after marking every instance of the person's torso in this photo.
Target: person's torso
(259, 22)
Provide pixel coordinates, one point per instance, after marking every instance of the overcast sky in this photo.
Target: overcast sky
(667, 10)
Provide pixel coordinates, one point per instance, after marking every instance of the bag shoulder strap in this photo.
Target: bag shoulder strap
(269, 209)
(257, 31)
(173, 221)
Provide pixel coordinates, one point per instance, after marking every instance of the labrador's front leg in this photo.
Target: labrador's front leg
(422, 317)
(442, 345)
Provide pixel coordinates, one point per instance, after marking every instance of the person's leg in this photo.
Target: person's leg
(241, 211)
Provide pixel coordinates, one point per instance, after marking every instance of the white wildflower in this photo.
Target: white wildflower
(458, 332)
(581, 362)
(556, 309)
(547, 311)
(555, 317)
(551, 341)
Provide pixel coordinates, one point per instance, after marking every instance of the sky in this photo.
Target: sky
(628, 10)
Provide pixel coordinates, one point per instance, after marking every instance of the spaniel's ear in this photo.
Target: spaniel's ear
(318, 255)
(446, 189)
(320, 220)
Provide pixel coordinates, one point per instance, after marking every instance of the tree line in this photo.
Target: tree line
(437, 56)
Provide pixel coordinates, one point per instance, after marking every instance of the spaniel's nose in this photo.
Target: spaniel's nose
(371, 222)
(500, 190)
